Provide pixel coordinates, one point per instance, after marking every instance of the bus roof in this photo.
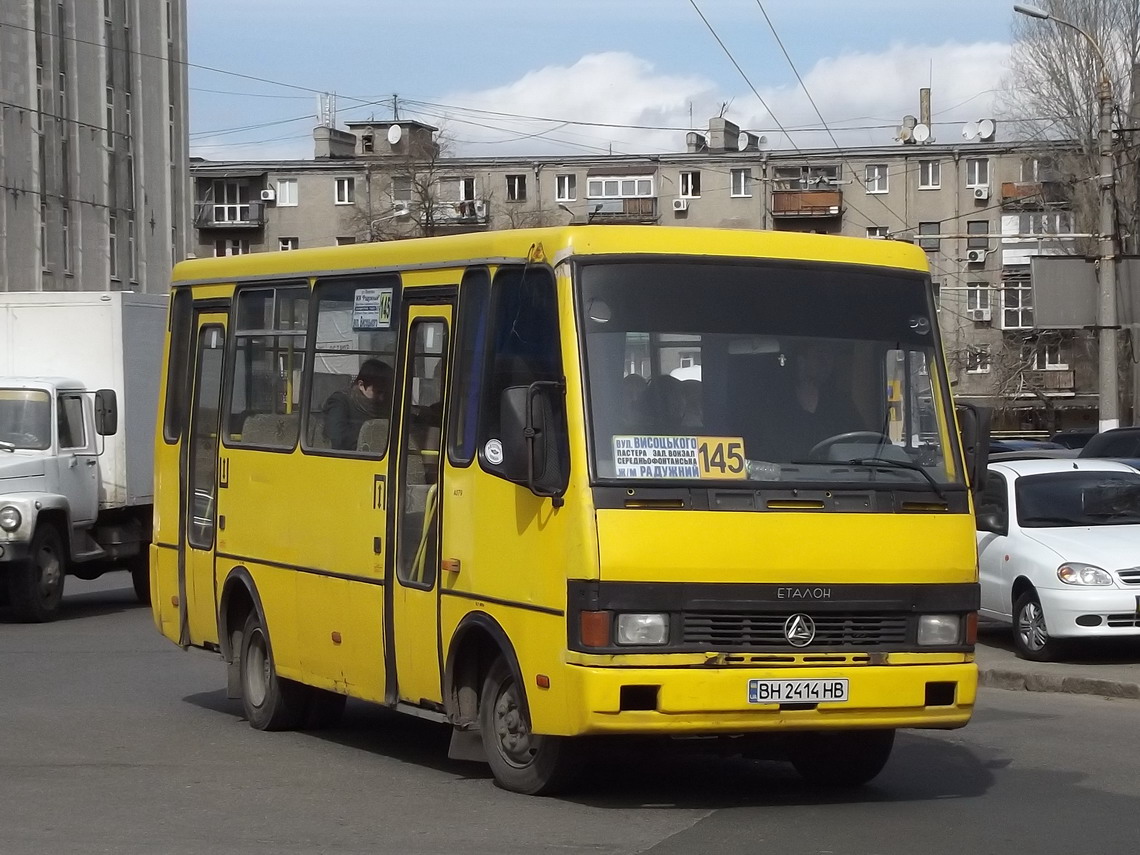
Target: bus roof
(557, 244)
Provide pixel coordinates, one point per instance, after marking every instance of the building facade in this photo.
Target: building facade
(93, 144)
(980, 209)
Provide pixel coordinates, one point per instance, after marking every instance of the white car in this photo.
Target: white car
(1059, 551)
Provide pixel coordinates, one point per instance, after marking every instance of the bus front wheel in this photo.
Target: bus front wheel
(270, 702)
(521, 761)
(845, 759)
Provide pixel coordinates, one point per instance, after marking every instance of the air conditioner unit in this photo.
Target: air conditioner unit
(680, 204)
(399, 209)
(978, 314)
(982, 194)
(480, 208)
(976, 256)
(269, 195)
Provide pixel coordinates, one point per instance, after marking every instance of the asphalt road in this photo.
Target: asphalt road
(114, 741)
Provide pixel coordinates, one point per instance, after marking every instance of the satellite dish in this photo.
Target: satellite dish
(903, 133)
(394, 134)
(921, 132)
(762, 143)
(987, 129)
(744, 141)
(969, 130)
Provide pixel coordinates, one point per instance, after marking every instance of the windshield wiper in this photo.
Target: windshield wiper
(884, 463)
(7, 446)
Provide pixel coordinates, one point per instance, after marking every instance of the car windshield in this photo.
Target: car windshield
(1078, 498)
(25, 419)
(764, 372)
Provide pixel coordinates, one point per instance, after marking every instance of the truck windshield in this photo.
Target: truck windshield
(777, 372)
(25, 419)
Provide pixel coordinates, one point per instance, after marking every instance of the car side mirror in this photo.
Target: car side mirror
(974, 426)
(992, 521)
(106, 412)
(533, 433)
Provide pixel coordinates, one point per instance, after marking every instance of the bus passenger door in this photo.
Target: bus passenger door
(414, 623)
(199, 480)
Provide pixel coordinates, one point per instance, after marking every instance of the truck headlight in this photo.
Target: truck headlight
(10, 518)
(642, 629)
(939, 630)
(1073, 573)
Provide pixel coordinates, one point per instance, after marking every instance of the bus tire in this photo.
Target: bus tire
(35, 585)
(521, 761)
(139, 567)
(270, 702)
(847, 758)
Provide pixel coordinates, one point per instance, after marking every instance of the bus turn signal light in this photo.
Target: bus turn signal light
(595, 628)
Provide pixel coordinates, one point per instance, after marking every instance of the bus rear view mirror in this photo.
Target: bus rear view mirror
(974, 424)
(534, 438)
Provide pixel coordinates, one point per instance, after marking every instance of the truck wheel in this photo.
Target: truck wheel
(35, 586)
(521, 761)
(846, 759)
(270, 702)
(139, 566)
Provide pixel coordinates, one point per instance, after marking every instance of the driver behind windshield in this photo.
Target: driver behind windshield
(821, 405)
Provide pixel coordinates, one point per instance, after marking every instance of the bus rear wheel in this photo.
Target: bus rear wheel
(521, 760)
(845, 759)
(270, 702)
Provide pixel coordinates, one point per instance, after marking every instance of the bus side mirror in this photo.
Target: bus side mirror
(106, 412)
(974, 424)
(534, 438)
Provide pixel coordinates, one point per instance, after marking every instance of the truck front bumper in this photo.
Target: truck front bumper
(12, 552)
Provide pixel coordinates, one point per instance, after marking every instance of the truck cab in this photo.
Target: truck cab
(52, 432)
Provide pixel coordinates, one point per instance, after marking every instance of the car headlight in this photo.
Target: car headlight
(939, 629)
(642, 629)
(1072, 573)
(10, 518)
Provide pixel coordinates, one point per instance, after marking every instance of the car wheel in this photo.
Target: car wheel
(270, 702)
(35, 585)
(845, 759)
(1031, 639)
(521, 761)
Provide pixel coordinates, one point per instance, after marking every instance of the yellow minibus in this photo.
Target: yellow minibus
(555, 486)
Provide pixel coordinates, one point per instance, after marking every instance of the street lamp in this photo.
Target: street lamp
(1107, 384)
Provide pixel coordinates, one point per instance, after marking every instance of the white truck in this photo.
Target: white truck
(79, 378)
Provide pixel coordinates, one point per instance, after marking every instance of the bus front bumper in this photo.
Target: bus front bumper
(701, 700)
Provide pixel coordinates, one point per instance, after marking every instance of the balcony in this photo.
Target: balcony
(1032, 194)
(469, 212)
(243, 216)
(807, 203)
(641, 209)
(1049, 381)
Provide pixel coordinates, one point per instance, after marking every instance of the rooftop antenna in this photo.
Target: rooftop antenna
(395, 107)
(326, 110)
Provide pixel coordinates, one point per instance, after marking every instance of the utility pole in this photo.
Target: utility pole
(1108, 381)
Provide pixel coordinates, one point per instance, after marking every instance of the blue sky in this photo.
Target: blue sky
(487, 71)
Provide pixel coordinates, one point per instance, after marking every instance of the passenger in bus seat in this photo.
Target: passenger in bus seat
(346, 410)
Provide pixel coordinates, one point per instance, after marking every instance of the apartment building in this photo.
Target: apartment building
(981, 209)
(93, 144)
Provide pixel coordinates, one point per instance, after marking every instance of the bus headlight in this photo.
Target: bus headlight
(10, 518)
(643, 629)
(1077, 574)
(939, 630)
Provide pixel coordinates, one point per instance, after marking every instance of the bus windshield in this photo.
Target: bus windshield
(764, 371)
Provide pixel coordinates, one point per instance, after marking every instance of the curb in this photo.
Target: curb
(999, 678)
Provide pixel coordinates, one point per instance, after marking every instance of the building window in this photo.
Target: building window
(288, 243)
(231, 201)
(1017, 304)
(367, 143)
(113, 244)
(226, 246)
(110, 117)
(516, 188)
(977, 232)
(566, 188)
(467, 189)
(1045, 223)
(345, 191)
(877, 232)
(401, 188)
(632, 187)
(346, 240)
(132, 248)
(930, 244)
(977, 171)
(1044, 356)
(977, 296)
(978, 359)
(929, 174)
(65, 214)
(691, 184)
(1037, 169)
(287, 192)
(741, 182)
(876, 178)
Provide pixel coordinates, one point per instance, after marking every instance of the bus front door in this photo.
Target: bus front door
(199, 480)
(413, 624)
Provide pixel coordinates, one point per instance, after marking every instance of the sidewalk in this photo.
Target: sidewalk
(1110, 669)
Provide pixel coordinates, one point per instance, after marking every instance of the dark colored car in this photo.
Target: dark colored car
(1121, 444)
(1074, 437)
(1000, 446)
